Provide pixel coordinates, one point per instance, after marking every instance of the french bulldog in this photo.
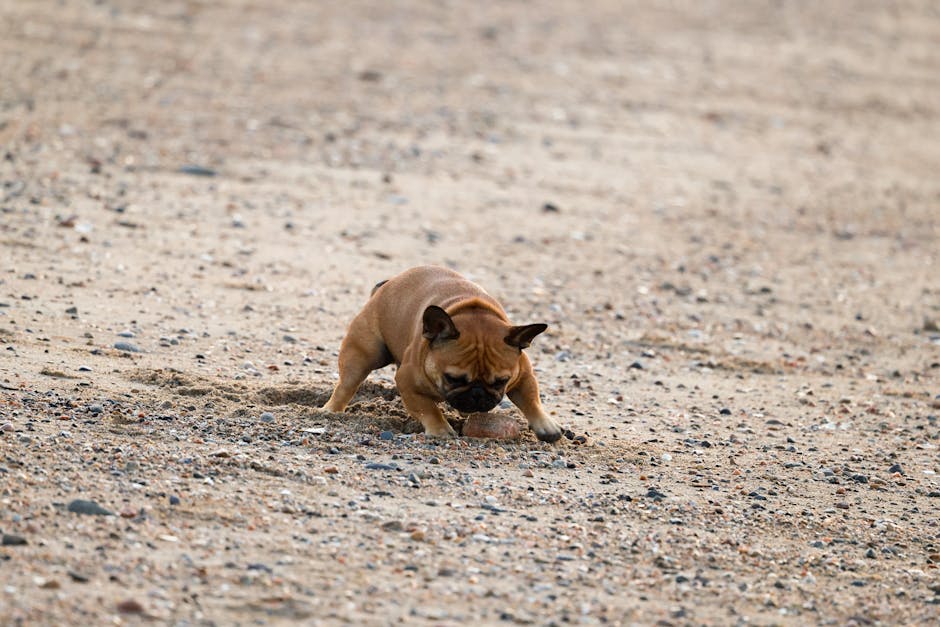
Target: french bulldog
(451, 342)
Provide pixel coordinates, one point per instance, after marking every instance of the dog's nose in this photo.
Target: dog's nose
(478, 394)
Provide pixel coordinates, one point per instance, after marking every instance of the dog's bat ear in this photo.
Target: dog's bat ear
(521, 337)
(438, 325)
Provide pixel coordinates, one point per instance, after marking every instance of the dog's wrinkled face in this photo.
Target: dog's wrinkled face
(473, 357)
(472, 395)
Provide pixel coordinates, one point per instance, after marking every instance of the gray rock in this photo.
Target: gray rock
(88, 508)
(197, 170)
(13, 540)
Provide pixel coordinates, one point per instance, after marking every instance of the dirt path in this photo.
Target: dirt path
(728, 214)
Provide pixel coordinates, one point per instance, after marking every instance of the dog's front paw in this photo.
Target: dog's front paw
(546, 429)
(444, 431)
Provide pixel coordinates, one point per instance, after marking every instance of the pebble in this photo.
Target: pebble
(267, 417)
(130, 606)
(10, 539)
(386, 435)
(7, 427)
(77, 576)
(88, 508)
(174, 500)
(259, 566)
(127, 347)
(725, 411)
(127, 334)
(197, 170)
(490, 425)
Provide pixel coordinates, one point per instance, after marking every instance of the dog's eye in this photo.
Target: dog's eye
(498, 383)
(458, 380)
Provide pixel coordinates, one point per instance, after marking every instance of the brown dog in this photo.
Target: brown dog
(451, 341)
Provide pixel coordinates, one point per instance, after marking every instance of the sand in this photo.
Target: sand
(727, 213)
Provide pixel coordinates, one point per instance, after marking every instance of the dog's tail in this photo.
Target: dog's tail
(377, 286)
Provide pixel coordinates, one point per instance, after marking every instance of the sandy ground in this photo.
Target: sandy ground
(727, 212)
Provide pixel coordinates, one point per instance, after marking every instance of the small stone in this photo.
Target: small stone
(72, 311)
(386, 435)
(79, 577)
(130, 606)
(127, 334)
(197, 170)
(490, 425)
(393, 525)
(896, 468)
(725, 411)
(870, 554)
(10, 539)
(127, 347)
(434, 460)
(7, 427)
(267, 417)
(259, 566)
(174, 500)
(636, 365)
(88, 508)
(550, 208)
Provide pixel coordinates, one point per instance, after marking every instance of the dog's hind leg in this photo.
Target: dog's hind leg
(360, 353)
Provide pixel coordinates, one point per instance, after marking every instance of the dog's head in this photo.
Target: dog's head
(474, 356)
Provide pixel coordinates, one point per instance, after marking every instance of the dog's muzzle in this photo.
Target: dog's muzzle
(474, 398)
